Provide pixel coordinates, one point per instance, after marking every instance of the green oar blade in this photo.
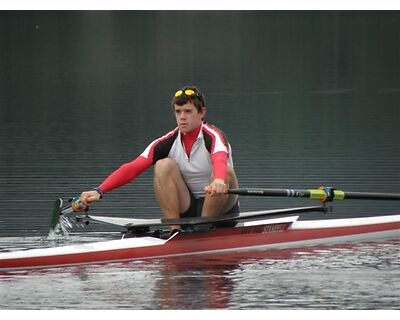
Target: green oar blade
(57, 210)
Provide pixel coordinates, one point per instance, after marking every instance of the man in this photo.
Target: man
(193, 166)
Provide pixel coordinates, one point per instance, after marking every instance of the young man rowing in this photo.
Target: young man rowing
(193, 166)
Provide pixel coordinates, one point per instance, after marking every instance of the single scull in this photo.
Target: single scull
(259, 230)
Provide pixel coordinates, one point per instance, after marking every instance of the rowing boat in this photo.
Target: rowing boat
(258, 230)
(275, 233)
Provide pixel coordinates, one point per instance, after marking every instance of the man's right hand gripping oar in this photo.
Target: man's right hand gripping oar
(88, 197)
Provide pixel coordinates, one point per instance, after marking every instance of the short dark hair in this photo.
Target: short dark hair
(197, 99)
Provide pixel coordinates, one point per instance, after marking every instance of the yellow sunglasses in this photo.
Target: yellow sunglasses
(188, 92)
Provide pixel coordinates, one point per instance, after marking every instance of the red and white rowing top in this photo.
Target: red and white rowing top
(200, 155)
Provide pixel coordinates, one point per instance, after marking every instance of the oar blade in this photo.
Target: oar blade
(57, 211)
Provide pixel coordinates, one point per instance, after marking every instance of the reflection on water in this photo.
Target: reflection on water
(349, 276)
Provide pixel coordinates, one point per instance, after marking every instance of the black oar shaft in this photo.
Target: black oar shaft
(271, 192)
(323, 194)
(372, 196)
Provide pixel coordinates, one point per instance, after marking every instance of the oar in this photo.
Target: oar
(323, 194)
(59, 209)
(255, 215)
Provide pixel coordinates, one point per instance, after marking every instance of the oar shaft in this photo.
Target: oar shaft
(316, 194)
(311, 194)
(271, 192)
(372, 196)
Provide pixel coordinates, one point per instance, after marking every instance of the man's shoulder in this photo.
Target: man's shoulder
(169, 134)
(160, 147)
(209, 126)
(167, 139)
(213, 131)
(214, 137)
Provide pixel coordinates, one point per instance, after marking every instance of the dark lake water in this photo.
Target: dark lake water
(305, 98)
(346, 277)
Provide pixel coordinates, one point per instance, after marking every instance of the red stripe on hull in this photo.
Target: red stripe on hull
(192, 243)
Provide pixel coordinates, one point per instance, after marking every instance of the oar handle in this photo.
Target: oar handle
(324, 194)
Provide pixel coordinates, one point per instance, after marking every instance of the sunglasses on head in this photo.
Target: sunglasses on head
(188, 92)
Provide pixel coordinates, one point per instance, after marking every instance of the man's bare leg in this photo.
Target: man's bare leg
(219, 204)
(171, 190)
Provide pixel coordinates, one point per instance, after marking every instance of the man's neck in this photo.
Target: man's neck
(189, 138)
(193, 133)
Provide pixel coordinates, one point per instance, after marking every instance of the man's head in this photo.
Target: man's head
(189, 109)
(189, 94)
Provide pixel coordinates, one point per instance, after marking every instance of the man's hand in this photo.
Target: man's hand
(88, 197)
(217, 187)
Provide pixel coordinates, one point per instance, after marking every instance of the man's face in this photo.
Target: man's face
(187, 117)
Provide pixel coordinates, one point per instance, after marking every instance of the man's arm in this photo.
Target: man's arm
(218, 147)
(156, 150)
(219, 163)
(124, 174)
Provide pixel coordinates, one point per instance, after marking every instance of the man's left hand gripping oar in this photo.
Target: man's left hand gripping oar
(216, 187)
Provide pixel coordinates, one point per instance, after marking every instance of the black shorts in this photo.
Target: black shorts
(196, 206)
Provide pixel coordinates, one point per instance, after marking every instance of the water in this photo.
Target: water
(306, 99)
(357, 276)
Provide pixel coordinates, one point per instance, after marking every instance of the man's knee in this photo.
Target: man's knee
(165, 167)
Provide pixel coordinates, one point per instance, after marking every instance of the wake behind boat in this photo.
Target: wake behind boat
(256, 230)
